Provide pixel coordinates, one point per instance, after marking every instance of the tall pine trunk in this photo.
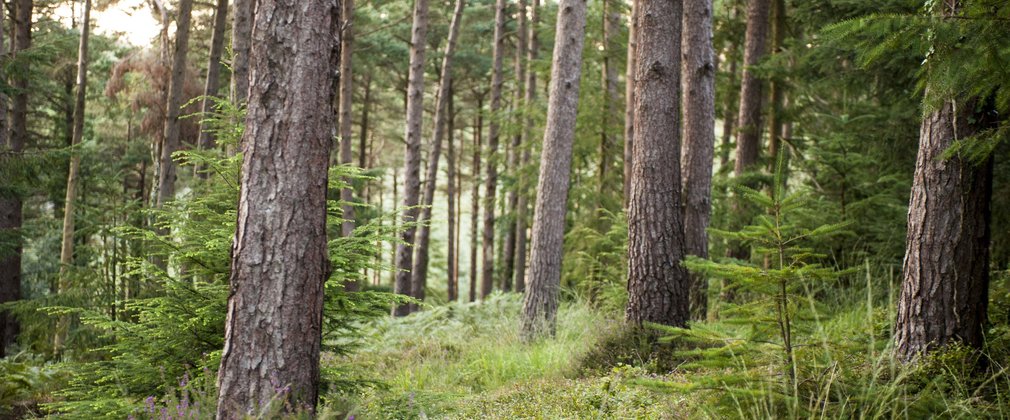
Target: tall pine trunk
(522, 212)
(608, 139)
(67, 248)
(344, 116)
(10, 207)
(629, 100)
(540, 302)
(452, 288)
(475, 196)
(213, 83)
(945, 279)
(698, 147)
(491, 183)
(658, 286)
(512, 200)
(173, 142)
(412, 157)
(420, 268)
(280, 260)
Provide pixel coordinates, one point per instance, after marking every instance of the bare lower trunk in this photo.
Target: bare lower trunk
(67, 248)
(608, 137)
(475, 199)
(522, 212)
(172, 143)
(629, 98)
(775, 86)
(452, 282)
(207, 141)
(658, 286)
(419, 271)
(512, 200)
(363, 136)
(540, 302)
(698, 145)
(412, 157)
(280, 260)
(10, 207)
(945, 279)
(491, 183)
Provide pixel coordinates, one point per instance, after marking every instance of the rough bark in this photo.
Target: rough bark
(629, 99)
(10, 207)
(945, 278)
(67, 248)
(241, 36)
(172, 143)
(522, 212)
(658, 286)
(512, 198)
(279, 256)
(206, 140)
(475, 197)
(698, 147)
(491, 183)
(419, 271)
(412, 156)
(540, 302)
(344, 112)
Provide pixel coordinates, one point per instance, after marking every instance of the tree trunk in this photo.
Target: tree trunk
(241, 37)
(540, 302)
(452, 283)
(698, 148)
(945, 278)
(775, 87)
(529, 98)
(67, 248)
(166, 177)
(491, 183)
(346, 122)
(729, 108)
(512, 198)
(280, 259)
(748, 140)
(475, 197)
(412, 157)
(363, 135)
(629, 99)
(658, 286)
(213, 83)
(608, 140)
(10, 207)
(419, 278)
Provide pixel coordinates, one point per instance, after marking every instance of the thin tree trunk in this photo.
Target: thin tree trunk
(10, 207)
(658, 286)
(729, 107)
(206, 140)
(608, 139)
(540, 302)
(412, 158)
(475, 197)
(280, 260)
(452, 282)
(396, 200)
(166, 178)
(67, 248)
(420, 268)
(698, 147)
(775, 87)
(945, 278)
(363, 136)
(629, 98)
(241, 37)
(530, 96)
(491, 183)
(512, 198)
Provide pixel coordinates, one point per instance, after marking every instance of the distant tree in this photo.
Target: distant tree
(491, 182)
(412, 157)
(241, 38)
(344, 115)
(280, 258)
(658, 286)
(172, 140)
(514, 155)
(540, 302)
(213, 80)
(629, 99)
(522, 207)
